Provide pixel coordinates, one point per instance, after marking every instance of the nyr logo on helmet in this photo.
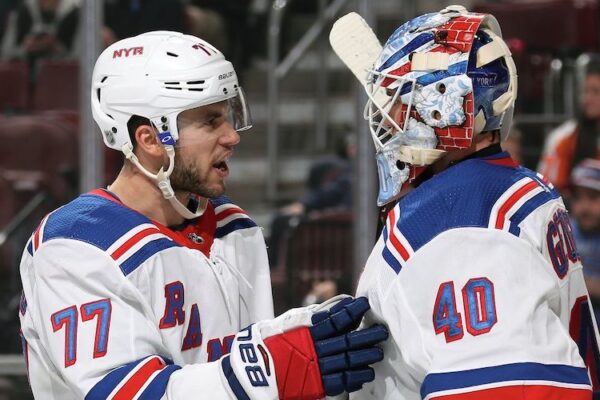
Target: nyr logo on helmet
(131, 51)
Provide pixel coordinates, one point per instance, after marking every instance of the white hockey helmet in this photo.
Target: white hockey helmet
(158, 75)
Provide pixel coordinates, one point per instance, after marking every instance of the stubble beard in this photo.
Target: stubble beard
(188, 178)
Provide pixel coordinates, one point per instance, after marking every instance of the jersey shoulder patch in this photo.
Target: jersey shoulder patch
(230, 217)
(126, 236)
(491, 192)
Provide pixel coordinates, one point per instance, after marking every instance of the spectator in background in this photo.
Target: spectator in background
(585, 211)
(6, 6)
(125, 18)
(321, 291)
(329, 187)
(42, 28)
(329, 182)
(578, 139)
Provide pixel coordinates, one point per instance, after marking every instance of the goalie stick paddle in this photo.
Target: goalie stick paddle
(356, 45)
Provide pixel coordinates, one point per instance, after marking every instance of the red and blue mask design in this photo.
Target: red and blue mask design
(440, 79)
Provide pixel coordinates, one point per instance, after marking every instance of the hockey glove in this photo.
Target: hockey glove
(306, 353)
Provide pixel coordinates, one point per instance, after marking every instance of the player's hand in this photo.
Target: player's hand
(306, 353)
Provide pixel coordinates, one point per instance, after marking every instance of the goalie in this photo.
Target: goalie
(476, 272)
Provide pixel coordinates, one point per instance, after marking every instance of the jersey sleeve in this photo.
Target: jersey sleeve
(581, 320)
(558, 246)
(475, 313)
(583, 326)
(90, 327)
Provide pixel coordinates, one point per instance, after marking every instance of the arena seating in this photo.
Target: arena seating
(7, 199)
(14, 81)
(43, 149)
(318, 248)
(56, 86)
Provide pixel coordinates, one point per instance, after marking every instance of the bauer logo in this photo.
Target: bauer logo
(132, 51)
(227, 75)
(249, 356)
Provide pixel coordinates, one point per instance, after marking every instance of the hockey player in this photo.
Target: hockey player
(476, 272)
(141, 290)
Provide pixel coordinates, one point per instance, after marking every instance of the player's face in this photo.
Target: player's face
(591, 96)
(206, 141)
(397, 112)
(586, 209)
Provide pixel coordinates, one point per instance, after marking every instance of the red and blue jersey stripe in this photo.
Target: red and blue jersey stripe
(230, 217)
(490, 192)
(142, 379)
(126, 235)
(510, 381)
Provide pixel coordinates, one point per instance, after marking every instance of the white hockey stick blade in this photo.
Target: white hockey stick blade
(356, 45)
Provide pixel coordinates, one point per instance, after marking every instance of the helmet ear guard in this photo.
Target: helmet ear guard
(114, 133)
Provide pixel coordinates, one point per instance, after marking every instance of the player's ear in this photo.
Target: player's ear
(147, 140)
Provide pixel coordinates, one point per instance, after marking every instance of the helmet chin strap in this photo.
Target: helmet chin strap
(161, 179)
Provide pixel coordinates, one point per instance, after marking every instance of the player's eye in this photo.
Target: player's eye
(212, 121)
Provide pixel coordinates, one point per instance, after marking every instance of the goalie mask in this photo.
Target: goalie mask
(441, 79)
(158, 75)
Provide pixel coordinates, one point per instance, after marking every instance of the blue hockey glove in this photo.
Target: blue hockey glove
(306, 353)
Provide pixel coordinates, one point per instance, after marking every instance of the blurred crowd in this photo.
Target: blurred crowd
(34, 29)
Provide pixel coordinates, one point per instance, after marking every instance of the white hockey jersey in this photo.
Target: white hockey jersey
(477, 276)
(116, 306)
